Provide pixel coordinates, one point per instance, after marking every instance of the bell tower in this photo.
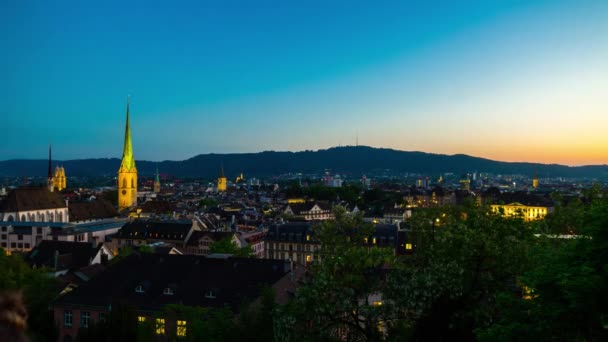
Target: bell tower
(127, 173)
(221, 180)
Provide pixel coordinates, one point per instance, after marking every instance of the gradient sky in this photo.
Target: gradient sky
(506, 80)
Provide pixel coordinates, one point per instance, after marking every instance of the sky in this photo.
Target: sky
(505, 80)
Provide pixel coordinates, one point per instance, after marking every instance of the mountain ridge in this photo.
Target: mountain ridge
(350, 160)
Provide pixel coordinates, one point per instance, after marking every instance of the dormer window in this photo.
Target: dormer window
(139, 289)
(210, 294)
(168, 291)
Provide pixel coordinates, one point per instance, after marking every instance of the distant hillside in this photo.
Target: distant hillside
(342, 160)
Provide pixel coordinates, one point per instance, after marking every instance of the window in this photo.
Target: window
(307, 237)
(377, 303)
(168, 291)
(141, 319)
(3, 229)
(139, 289)
(408, 246)
(308, 258)
(102, 316)
(20, 245)
(19, 237)
(160, 326)
(39, 230)
(181, 328)
(210, 294)
(3, 236)
(67, 318)
(27, 245)
(374, 240)
(85, 316)
(4, 245)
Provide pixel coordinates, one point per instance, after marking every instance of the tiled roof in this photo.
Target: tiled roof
(71, 254)
(153, 229)
(35, 198)
(215, 236)
(291, 231)
(227, 282)
(94, 210)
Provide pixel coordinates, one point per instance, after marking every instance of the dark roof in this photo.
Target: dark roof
(523, 198)
(94, 210)
(291, 231)
(215, 236)
(158, 207)
(35, 198)
(70, 254)
(232, 280)
(298, 208)
(154, 229)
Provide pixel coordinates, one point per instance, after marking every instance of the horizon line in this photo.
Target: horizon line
(317, 150)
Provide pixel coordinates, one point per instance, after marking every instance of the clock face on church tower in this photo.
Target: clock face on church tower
(124, 192)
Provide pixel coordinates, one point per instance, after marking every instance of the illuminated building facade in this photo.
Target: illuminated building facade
(527, 212)
(127, 173)
(222, 182)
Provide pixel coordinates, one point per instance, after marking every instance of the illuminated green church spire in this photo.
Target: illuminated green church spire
(128, 162)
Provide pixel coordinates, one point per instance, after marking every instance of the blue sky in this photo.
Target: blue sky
(507, 80)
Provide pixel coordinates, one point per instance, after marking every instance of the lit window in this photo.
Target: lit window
(141, 319)
(209, 294)
(408, 246)
(377, 303)
(308, 258)
(374, 240)
(307, 237)
(168, 291)
(160, 326)
(67, 318)
(139, 289)
(181, 328)
(85, 317)
(365, 240)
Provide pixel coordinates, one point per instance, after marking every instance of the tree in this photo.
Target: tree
(227, 246)
(568, 287)
(38, 287)
(463, 259)
(336, 302)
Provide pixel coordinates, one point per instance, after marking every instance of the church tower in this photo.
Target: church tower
(157, 182)
(535, 181)
(127, 173)
(221, 181)
(50, 184)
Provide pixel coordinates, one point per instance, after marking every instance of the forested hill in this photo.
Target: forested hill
(349, 160)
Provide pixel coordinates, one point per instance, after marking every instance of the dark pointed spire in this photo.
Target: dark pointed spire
(222, 171)
(50, 173)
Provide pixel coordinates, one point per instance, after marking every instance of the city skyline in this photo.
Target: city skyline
(505, 81)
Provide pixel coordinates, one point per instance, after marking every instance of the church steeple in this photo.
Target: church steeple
(127, 174)
(157, 181)
(128, 162)
(221, 180)
(49, 181)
